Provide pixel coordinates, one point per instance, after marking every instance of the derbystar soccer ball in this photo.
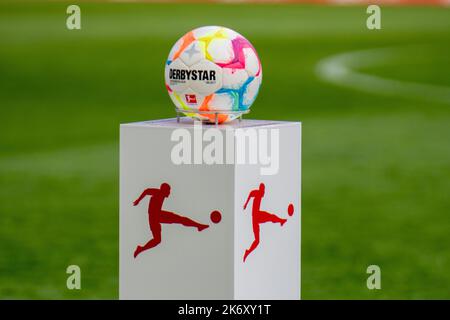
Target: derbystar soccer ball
(213, 73)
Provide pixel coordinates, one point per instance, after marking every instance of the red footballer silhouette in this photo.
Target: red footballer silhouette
(259, 216)
(156, 216)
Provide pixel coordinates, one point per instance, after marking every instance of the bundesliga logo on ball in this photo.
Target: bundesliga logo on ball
(213, 74)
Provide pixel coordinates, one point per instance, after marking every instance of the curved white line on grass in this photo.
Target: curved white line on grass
(342, 70)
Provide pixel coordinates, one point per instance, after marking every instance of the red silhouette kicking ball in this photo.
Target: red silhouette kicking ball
(290, 209)
(216, 216)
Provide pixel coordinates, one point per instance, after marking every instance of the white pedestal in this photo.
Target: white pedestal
(185, 260)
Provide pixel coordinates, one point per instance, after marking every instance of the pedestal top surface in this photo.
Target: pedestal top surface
(186, 122)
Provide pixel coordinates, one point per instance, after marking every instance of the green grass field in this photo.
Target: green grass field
(376, 167)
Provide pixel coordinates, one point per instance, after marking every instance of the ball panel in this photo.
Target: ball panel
(175, 74)
(250, 92)
(223, 102)
(205, 31)
(233, 78)
(175, 48)
(186, 40)
(194, 53)
(206, 77)
(230, 34)
(174, 99)
(220, 50)
(252, 65)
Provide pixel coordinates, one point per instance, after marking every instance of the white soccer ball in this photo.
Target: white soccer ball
(213, 73)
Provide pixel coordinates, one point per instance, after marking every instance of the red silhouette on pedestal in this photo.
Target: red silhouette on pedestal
(156, 216)
(259, 216)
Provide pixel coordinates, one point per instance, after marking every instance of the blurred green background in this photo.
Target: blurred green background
(376, 167)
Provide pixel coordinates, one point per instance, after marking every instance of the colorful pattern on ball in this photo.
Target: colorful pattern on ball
(213, 69)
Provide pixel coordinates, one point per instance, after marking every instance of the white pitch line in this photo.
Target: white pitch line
(342, 70)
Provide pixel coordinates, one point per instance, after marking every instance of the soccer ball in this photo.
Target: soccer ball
(213, 74)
